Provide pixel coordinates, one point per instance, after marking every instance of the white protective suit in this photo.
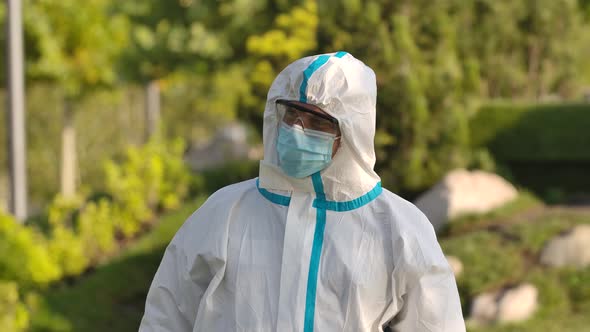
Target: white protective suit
(330, 252)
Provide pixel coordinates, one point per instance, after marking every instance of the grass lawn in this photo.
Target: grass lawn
(112, 297)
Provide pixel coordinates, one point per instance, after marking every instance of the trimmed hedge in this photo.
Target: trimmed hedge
(533, 133)
(545, 148)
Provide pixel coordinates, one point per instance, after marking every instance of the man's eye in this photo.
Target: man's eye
(322, 125)
(290, 115)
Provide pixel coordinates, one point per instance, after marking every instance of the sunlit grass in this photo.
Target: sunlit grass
(505, 252)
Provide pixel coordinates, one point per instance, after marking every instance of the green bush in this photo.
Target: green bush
(14, 316)
(67, 248)
(532, 141)
(151, 178)
(25, 257)
(65, 244)
(96, 226)
(541, 133)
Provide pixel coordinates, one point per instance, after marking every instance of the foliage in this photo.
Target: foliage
(530, 132)
(67, 248)
(151, 177)
(166, 36)
(291, 36)
(195, 106)
(533, 140)
(96, 224)
(74, 45)
(65, 245)
(431, 74)
(423, 88)
(28, 260)
(13, 313)
(122, 110)
(82, 232)
(65, 309)
(524, 49)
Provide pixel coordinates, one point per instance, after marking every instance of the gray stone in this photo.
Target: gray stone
(463, 192)
(569, 249)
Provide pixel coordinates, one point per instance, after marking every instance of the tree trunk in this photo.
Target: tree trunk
(17, 164)
(152, 108)
(68, 153)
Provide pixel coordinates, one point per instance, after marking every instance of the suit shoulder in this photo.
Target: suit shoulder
(213, 213)
(399, 205)
(232, 192)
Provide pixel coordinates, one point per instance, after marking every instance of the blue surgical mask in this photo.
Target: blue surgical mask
(302, 153)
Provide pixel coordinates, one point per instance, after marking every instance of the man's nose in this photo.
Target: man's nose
(299, 122)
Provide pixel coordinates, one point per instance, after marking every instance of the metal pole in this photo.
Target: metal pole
(152, 108)
(16, 108)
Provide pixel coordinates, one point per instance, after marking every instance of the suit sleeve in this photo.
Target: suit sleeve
(190, 262)
(429, 299)
(431, 305)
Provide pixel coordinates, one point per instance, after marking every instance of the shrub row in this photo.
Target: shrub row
(82, 231)
(540, 133)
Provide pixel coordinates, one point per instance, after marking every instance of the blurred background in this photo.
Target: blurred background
(135, 111)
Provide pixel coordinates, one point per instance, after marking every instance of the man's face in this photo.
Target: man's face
(318, 121)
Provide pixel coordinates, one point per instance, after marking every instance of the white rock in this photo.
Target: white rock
(464, 192)
(456, 265)
(517, 304)
(570, 249)
(510, 305)
(484, 308)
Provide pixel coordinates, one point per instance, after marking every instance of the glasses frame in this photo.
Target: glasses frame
(301, 108)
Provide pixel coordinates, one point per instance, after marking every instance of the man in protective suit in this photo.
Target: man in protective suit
(314, 243)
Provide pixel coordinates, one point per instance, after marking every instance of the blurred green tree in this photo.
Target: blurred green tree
(527, 49)
(423, 86)
(436, 61)
(188, 45)
(74, 46)
(291, 36)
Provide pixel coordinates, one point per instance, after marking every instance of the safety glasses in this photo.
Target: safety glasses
(292, 113)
